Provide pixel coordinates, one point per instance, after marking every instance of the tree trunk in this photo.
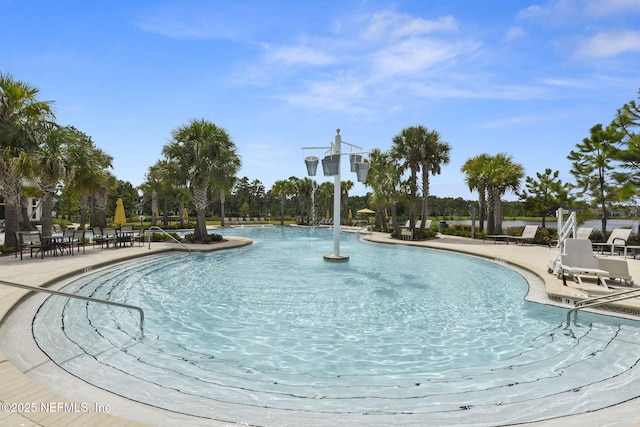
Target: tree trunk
(200, 201)
(84, 204)
(491, 220)
(282, 210)
(165, 216)
(481, 208)
(47, 207)
(10, 187)
(154, 208)
(24, 211)
(222, 200)
(603, 222)
(425, 202)
(100, 199)
(497, 213)
(11, 223)
(394, 218)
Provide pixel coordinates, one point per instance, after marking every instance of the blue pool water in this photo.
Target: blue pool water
(396, 330)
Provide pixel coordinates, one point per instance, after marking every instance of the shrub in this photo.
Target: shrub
(462, 230)
(209, 238)
(424, 234)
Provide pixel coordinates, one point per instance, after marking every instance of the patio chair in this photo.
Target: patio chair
(78, 240)
(31, 240)
(109, 235)
(617, 239)
(67, 242)
(125, 234)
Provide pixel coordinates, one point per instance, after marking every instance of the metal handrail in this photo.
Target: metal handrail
(155, 227)
(593, 302)
(81, 297)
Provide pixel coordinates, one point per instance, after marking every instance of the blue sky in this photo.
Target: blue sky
(528, 78)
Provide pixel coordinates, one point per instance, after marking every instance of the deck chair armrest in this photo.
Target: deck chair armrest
(624, 241)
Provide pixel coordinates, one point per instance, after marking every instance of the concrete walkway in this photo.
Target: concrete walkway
(28, 403)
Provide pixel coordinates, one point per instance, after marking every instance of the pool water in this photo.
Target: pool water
(396, 330)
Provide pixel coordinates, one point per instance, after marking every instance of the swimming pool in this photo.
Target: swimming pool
(273, 335)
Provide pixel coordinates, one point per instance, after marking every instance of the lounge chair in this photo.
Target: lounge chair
(578, 260)
(617, 239)
(584, 232)
(528, 234)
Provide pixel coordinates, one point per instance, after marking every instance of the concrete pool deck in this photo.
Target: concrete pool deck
(26, 402)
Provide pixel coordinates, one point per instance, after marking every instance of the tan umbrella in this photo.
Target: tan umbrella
(350, 214)
(120, 217)
(185, 214)
(366, 211)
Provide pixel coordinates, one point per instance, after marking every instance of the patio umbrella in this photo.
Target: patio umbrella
(366, 211)
(185, 214)
(120, 217)
(350, 214)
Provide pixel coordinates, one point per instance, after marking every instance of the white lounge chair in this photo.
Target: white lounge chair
(617, 239)
(578, 260)
(584, 232)
(528, 234)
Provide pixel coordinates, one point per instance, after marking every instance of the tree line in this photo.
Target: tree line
(198, 172)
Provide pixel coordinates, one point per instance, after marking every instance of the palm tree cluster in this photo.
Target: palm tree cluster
(417, 151)
(38, 157)
(492, 177)
(201, 158)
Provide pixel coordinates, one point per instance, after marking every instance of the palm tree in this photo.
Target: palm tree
(21, 115)
(89, 171)
(324, 195)
(345, 187)
(225, 178)
(406, 149)
(504, 176)
(384, 179)
(106, 186)
(200, 151)
(54, 167)
(434, 154)
(223, 188)
(162, 181)
(476, 173)
(282, 189)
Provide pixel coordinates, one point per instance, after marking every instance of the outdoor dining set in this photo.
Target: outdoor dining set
(70, 241)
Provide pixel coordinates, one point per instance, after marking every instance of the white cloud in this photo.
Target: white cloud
(553, 12)
(602, 8)
(341, 94)
(609, 44)
(390, 25)
(413, 56)
(509, 122)
(298, 55)
(514, 33)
